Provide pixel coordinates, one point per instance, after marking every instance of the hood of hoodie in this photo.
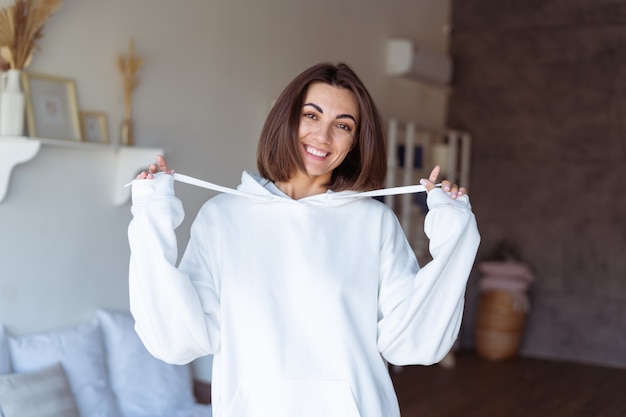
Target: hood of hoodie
(260, 189)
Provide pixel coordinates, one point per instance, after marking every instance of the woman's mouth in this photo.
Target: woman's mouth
(315, 152)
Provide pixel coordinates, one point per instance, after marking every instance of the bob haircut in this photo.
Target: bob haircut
(278, 156)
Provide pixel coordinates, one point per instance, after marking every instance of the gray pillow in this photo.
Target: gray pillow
(42, 393)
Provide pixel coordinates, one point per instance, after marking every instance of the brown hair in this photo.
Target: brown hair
(365, 166)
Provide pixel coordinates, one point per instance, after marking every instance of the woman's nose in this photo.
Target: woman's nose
(322, 134)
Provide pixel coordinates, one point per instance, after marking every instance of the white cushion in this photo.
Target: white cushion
(5, 359)
(80, 350)
(42, 393)
(144, 385)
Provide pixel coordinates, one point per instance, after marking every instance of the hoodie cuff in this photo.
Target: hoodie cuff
(438, 197)
(144, 191)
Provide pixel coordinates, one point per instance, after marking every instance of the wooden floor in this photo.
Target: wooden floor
(476, 387)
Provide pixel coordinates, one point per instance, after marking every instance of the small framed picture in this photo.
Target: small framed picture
(51, 107)
(94, 126)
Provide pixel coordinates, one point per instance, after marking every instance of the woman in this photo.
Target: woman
(301, 287)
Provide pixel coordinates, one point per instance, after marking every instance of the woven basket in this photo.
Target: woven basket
(499, 326)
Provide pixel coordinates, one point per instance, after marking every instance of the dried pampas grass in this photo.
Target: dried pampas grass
(21, 26)
(129, 66)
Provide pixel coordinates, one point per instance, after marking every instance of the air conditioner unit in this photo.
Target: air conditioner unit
(406, 60)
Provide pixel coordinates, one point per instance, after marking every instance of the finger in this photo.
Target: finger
(462, 191)
(141, 175)
(434, 174)
(454, 191)
(429, 183)
(162, 164)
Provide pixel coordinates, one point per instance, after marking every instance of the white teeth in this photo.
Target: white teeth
(316, 152)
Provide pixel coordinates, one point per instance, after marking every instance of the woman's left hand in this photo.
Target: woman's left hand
(453, 189)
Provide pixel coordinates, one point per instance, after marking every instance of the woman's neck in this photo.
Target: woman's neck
(301, 186)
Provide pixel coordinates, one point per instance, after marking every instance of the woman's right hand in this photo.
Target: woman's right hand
(452, 189)
(160, 166)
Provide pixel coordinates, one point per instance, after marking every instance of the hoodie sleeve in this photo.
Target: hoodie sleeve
(175, 310)
(420, 310)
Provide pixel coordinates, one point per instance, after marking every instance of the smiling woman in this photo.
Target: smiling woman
(330, 289)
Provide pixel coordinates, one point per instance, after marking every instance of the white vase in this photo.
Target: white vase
(11, 104)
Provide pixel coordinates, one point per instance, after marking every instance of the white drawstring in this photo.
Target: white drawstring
(406, 189)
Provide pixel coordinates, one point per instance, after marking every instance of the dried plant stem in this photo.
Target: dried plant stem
(129, 66)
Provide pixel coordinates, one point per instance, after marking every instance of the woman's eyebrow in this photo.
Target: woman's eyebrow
(315, 106)
(339, 116)
(346, 116)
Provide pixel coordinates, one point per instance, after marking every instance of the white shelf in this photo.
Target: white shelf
(13, 151)
(128, 160)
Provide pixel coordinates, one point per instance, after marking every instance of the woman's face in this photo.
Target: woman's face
(327, 128)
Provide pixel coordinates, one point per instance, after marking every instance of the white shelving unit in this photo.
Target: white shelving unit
(16, 150)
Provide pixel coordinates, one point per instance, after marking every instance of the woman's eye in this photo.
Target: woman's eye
(345, 127)
(309, 115)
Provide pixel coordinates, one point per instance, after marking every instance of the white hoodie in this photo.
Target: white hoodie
(300, 302)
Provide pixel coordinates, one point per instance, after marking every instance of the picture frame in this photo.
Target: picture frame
(94, 126)
(51, 107)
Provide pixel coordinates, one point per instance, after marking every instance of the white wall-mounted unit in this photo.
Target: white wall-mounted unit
(405, 59)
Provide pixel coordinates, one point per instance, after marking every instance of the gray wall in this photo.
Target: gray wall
(541, 85)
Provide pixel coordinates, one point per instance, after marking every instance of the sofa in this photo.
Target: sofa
(98, 368)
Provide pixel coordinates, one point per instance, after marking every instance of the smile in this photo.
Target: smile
(315, 152)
